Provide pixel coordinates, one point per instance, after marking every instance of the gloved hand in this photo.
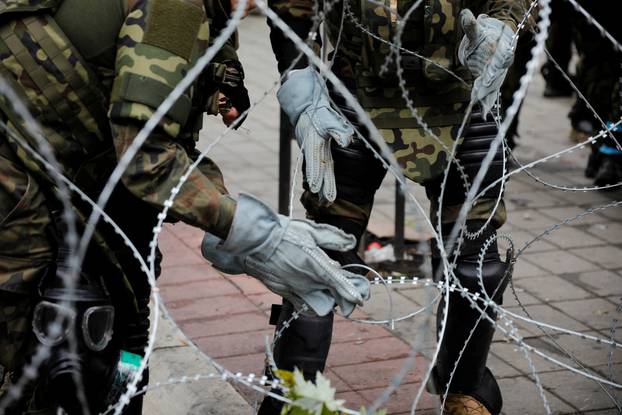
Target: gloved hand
(285, 254)
(232, 87)
(487, 50)
(304, 99)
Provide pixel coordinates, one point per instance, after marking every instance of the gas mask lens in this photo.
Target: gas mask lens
(52, 322)
(97, 325)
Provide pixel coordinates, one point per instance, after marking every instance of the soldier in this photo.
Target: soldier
(559, 45)
(92, 73)
(598, 79)
(342, 175)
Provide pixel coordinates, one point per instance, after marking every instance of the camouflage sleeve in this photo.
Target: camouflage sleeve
(202, 200)
(298, 14)
(511, 12)
(158, 43)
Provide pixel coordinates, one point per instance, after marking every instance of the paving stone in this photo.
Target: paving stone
(595, 312)
(571, 237)
(351, 331)
(560, 214)
(378, 306)
(523, 268)
(526, 299)
(515, 186)
(419, 296)
(589, 352)
(402, 398)
(530, 199)
(529, 219)
(511, 354)
(181, 274)
(198, 289)
(589, 199)
(264, 301)
(247, 285)
(610, 232)
(236, 344)
(614, 213)
(245, 364)
(601, 282)
(182, 256)
(499, 367)
(371, 350)
(552, 288)
(410, 332)
(336, 382)
(210, 397)
(228, 324)
(577, 390)
(353, 400)
(608, 257)
(378, 374)
(521, 396)
(188, 235)
(185, 310)
(520, 238)
(560, 262)
(545, 314)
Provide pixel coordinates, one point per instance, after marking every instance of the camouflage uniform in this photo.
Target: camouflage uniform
(92, 72)
(433, 31)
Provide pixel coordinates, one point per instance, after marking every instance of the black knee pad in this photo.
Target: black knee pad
(494, 272)
(478, 137)
(358, 174)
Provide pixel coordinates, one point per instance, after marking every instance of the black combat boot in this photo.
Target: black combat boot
(473, 388)
(303, 345)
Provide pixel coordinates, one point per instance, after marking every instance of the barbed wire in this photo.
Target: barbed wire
(373, 141)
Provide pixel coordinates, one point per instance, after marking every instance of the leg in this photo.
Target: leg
(472, 388)
(306, 342)
(27, 252)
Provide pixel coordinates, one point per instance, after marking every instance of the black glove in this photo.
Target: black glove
(232, 86)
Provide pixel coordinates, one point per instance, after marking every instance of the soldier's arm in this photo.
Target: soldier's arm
(510, 12)
(155, 50)
(298, 14)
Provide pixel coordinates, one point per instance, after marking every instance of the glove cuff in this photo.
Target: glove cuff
(256, 228)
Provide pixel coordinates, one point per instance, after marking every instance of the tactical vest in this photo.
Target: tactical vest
(49, 74)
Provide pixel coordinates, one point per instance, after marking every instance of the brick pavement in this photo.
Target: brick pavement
(571, 278)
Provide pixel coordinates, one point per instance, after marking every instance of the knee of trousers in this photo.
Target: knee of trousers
(358, 174)
(304, 343)
(478, 138)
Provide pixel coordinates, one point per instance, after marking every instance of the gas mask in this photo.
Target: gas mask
(86, 314)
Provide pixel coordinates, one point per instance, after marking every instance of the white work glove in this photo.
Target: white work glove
(487, 50)
(304, 98)
(285, 254)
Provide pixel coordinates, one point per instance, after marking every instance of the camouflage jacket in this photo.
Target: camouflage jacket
(130, 55)
(432, 31)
